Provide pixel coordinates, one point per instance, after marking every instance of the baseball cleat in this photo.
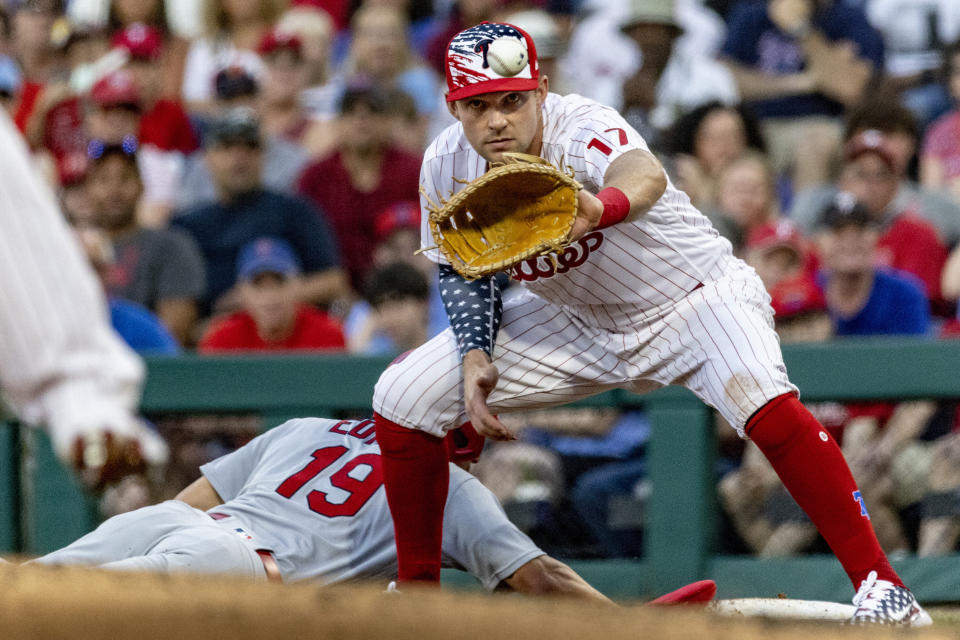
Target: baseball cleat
(882, 602)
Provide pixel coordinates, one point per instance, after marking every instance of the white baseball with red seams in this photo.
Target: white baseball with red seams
(507, 56)
(638, 305)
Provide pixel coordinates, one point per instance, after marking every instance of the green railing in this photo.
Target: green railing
(41, 507)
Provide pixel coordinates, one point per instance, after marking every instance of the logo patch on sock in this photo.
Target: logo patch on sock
(863, 507)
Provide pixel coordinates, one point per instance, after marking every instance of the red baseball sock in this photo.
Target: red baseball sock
(416, 477)
(813, 470)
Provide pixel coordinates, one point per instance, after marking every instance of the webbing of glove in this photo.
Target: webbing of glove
(512, 212)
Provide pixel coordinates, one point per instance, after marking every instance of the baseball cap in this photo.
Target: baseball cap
(239, 125)
(143, 42)
(844, 210)
(797, 295)
(277, 39)
(468, 72)
(781, 234)
(871, 141)
(650, 12)
(399, 215)
(267, 255)
(235, 82)
(115, 89)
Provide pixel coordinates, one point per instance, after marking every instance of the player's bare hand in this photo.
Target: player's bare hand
(588, 214)
(479, 379)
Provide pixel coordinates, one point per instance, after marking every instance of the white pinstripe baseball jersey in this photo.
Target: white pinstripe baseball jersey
(631, 267)
(624, 308)
(61, 364)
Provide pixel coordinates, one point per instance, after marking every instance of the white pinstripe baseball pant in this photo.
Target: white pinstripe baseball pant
(718, 341)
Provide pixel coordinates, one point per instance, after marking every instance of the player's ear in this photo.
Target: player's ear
(452, 108)
(543, 89)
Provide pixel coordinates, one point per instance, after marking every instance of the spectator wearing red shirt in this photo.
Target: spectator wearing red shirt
(272, 319)
(364, 176)
(907, 242)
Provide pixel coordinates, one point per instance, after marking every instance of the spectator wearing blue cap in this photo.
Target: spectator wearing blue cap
(272, 318)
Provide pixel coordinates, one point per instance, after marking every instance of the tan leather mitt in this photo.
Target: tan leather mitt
(517, 210)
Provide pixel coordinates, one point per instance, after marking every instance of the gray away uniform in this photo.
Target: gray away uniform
(311, 492)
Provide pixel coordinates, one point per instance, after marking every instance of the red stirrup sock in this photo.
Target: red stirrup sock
(415, 476)
(813, 470)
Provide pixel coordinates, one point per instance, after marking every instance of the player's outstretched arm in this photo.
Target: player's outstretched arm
(547, 576)
(474, 308)
(200, 494)
(632, 185)
(479, 380)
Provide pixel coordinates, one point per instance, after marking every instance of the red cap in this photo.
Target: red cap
(468, 69)
(775, 235)
(72, 167)
(277, 39)
(114, 89)
(796, 295)
(142, 41)
(871, 141)
(399, 215)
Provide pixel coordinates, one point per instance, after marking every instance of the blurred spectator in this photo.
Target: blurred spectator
(704, 141)
(10, 84)
(550, 44)
(940, 156)
(599, 72)
(114, 109)
(271, 318)
(914, 33)
(746, 198)
(463, 14)
(123, 15)
(283, 161)
(363, 176)
(281, 111)
(873, 173)
(165, 133)
(862, 298)
(315, 30)
(900, 133)
(399, 297)
(32, 45)
(397, 233)
(246, 210)
(164, 124)
(140, 329)
(797, 64)
(233, 29)
(381, 55)
(160, 269)
(777, 252)
(669, 80)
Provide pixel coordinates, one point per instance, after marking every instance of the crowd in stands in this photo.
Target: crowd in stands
(244, 175)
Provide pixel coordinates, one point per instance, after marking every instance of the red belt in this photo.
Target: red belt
(266, 556)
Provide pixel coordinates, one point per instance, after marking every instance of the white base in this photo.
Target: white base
(783, 608)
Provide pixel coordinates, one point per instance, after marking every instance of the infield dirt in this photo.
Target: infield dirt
(41, 602)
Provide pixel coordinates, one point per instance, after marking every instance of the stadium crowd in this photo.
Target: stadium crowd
(243, 175)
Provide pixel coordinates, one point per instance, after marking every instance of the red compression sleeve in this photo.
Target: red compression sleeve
(616, 206)
(416, 477)
(813, 470)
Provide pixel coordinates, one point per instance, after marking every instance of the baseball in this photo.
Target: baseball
(507, 57)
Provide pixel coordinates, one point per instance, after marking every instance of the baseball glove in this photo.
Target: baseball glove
(519, 209)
